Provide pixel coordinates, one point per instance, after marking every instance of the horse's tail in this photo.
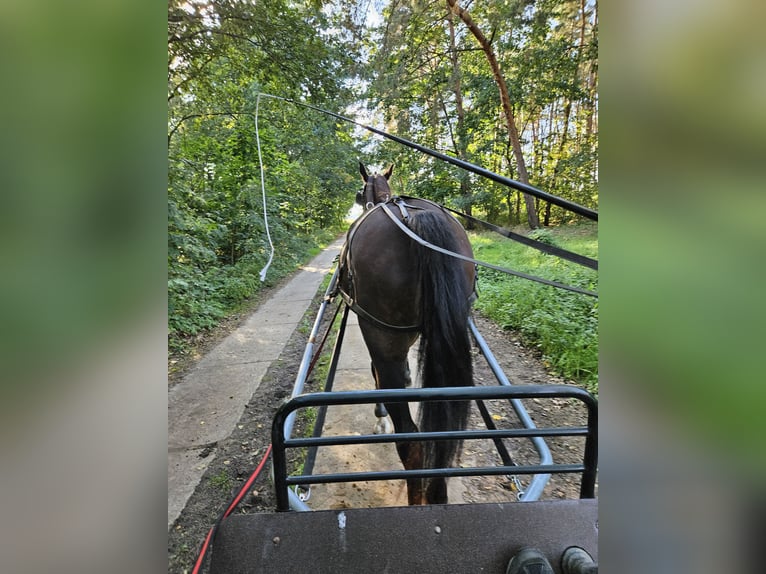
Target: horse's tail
(445, 346)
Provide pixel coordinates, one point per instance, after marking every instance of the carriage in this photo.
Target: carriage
(396, 298)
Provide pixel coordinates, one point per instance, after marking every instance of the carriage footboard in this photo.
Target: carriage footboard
(423, 539)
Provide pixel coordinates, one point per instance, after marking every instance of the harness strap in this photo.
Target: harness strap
(360, 311)
(400, 202)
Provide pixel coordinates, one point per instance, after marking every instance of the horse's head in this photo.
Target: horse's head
(376, 189)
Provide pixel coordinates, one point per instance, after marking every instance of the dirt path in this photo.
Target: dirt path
(236, 455)
(354, 374)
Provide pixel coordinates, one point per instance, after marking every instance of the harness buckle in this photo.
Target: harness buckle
(399, 202)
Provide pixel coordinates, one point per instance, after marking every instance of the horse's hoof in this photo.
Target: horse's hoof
(383, 426)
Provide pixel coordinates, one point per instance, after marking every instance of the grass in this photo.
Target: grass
(561, 324)
(222, 481)
(305, 421)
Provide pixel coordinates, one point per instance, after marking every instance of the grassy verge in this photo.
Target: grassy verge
(561, 324)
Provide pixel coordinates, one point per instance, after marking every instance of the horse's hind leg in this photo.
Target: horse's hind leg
(383, 425)
(395, 374)
(392, 371)
(436, 492)
(410, 453)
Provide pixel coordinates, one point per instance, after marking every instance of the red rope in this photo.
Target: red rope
(246, 486)
(232, 505)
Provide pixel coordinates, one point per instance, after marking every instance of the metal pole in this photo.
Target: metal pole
(524, 187)
(300, 379)
(538, 482)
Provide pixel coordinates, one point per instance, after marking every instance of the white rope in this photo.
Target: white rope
(263, 192)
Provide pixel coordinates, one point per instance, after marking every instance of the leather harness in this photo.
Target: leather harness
(346, 291)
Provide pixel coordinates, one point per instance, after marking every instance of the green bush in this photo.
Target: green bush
(561, 324)
(199, 298)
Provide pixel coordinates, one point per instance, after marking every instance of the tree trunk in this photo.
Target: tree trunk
(460, 140)
(592, 78)
(562, 145)
(505, 99)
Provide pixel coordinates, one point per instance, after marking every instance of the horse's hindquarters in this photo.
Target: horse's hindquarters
(403, 288)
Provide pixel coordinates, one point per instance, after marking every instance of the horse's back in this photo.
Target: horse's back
(385, 261)
(381, 256)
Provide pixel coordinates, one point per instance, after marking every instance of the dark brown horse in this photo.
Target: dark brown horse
(400, 290)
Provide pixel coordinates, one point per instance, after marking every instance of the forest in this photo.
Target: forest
(509, 85)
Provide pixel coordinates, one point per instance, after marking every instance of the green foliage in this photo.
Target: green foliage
(415, 69)
(198, 299)
(221, 56)
(543, 235)
(561, 324)
(431, 83)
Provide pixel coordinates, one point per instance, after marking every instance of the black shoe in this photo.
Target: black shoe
(575, 560)
(529, 561)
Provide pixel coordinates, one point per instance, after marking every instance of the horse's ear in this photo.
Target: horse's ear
(363, 171)
(388, 171)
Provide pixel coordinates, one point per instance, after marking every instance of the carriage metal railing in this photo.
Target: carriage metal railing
(281, 443)
(284, 421)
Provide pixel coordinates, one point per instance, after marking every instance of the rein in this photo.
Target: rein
(528, 241)
(412, 235)
(416, 237)
(401, 204)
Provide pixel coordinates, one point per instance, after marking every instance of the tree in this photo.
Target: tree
(430, 82)
(221, 55)
(513, 132)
